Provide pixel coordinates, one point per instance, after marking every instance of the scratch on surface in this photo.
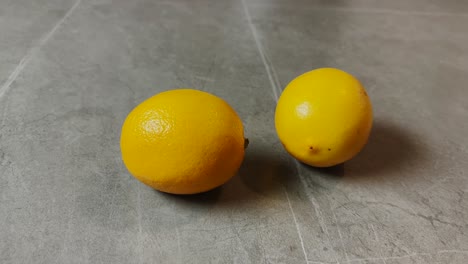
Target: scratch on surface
(31, 52)
(410, 211)
(340, 235)
(269, 69)
(411, 255)
(272, 76)
(375, 233)
(3, 117)
(378, 242)
(179, 248)
(390, 258)
(297, 225)
(12, 77)
(239, 240)
(140, 241)
(114, 192)
(437, 184)
(453, 251)
(210, 70)
(204, 78)
(275, 77)
(318, 212)
(371, 10)
(20, 179)
(396, 12)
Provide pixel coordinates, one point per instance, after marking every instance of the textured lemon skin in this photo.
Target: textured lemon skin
(324, 117)
(183, 141)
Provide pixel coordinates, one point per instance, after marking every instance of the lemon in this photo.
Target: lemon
(323, 117)
(183, 141)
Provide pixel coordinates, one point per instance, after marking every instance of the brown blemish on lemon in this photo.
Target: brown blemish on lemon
(313, 149)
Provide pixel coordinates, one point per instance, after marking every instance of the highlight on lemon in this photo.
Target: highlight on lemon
(183, 141)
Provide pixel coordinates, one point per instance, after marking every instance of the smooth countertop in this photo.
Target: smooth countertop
(70, 71)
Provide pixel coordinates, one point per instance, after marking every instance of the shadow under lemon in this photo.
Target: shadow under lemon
(264, 172)
(389, 150)
(267, 171)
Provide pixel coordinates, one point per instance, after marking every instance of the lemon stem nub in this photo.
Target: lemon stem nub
(246, 143)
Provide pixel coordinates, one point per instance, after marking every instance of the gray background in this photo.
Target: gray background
(70, 71)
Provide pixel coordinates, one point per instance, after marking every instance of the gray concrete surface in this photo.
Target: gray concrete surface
(70, 71)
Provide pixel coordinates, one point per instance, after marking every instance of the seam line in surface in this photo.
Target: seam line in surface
(275, 86)
(32, 51)
(270, 72)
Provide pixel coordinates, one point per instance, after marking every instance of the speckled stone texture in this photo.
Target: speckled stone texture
(70, 71)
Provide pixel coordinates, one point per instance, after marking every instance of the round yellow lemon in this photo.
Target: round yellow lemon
(183, 141)
(324, 117)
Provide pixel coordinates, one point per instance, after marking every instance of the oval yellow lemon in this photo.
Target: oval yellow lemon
(324, 117)
(183, 141)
